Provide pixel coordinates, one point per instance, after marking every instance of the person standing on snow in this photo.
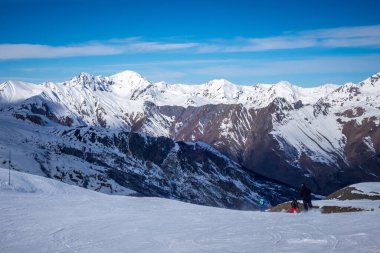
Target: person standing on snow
(262, 203)
(305, 192)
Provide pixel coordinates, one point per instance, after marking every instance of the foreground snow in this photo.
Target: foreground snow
(42, 215)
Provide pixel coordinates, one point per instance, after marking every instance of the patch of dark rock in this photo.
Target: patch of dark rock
(35, 119)
(341, 209)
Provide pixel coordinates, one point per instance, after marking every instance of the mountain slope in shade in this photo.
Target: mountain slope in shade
(326, 136)
(124, 163)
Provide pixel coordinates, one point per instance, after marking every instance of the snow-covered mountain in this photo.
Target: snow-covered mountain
(131, 86)
(328, 136)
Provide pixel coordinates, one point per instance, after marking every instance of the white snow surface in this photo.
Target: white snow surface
(371, 189)
(42, 215)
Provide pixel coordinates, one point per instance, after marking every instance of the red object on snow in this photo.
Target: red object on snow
(293, 210)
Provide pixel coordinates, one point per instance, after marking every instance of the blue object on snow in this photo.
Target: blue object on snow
(262, 202)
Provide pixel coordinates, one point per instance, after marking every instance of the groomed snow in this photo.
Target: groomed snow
(41, 215)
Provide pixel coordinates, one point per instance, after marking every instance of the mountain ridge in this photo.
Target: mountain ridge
(326, 136)
(133, 80)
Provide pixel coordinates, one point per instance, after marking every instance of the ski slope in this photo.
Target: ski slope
(42, 215)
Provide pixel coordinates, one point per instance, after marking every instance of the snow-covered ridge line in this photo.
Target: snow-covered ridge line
(131, 85)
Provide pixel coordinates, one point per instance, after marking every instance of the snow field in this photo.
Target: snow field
(42, 215)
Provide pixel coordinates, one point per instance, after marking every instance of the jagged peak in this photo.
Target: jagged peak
(161, 84)
(348, 88)
(86, 81)
(82, 78)
(377, 75)
(370, 81)
(84, 74)
(348, 85)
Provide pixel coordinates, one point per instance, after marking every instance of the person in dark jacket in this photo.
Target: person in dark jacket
(306, 197)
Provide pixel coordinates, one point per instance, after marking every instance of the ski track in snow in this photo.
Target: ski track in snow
(42, 215)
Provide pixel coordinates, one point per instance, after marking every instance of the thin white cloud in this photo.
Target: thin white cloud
(244, 71)
(343, 32)
(30, 51)
(157, 46)
(344, 37)
(320, 65)
(349, 37)
(274, 43)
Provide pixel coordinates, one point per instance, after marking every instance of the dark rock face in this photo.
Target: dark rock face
(362, 150)
(188, 171)
(254, 146)
(250, 142)
(41, 111)
(208, 124)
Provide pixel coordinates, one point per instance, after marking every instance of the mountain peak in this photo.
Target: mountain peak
(284, 84)
(83, 77)
(129, 84)
(84, 74)
(127, 76)
(162, 85)
(218, 82)
(371, 81)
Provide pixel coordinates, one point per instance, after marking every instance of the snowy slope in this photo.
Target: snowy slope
(370, 189)
(41, 215)
(14, 91)
(317, 129)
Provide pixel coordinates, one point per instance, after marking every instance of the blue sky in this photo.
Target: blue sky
(305, 42)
